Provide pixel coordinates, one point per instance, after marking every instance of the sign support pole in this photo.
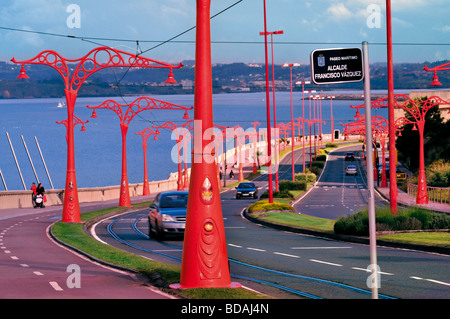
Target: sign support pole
(373, 281)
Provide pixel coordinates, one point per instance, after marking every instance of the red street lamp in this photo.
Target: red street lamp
(332, 120)
(181, 132)
(277, 153)
(255, 148)
(146, 133)
(442, 67)
(269, 128)
(303, 119)
(417, 111)
(204, 262)
(87, 65)
(137, 106)
(291, 65)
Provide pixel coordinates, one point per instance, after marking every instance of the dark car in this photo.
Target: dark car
(167, 214)
(350, 156)
(246, 189)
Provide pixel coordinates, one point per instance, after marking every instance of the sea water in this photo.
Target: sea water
(98, 150)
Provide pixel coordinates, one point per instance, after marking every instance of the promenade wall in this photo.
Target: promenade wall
(22, 199)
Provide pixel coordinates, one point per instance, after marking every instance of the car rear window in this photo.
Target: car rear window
(174, 201)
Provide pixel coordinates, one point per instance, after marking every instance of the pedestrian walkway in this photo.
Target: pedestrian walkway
(404, 199)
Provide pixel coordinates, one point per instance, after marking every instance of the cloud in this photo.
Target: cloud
(339, 12)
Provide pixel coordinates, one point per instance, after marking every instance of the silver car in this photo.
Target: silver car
(351, 170)
(167, 214)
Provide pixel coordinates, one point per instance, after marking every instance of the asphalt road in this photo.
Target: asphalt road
(288, 265)
(32, 266)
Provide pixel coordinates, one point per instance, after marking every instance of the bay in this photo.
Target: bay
(98, 150)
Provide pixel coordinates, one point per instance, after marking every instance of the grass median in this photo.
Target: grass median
(158, 273)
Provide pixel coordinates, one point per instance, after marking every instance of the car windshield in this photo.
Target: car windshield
(174, 201)
(351, 167)
(246, 185)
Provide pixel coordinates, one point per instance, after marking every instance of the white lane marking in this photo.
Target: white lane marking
(286, 255)
(255, 249)
(368, 270)
(325, 262)
(431, 280)
(14, 257)
(232, 245)
(55, 285)
(313, 248)
(24, 265)
(38, 273)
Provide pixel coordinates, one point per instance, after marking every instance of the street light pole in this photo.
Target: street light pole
(145, 135)
(277, 145)
(269, 128)
(303, 120)
(205, 261)
(393, 191)
(138, 105)
(290, 65)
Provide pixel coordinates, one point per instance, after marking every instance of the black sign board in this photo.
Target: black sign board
(330, 66)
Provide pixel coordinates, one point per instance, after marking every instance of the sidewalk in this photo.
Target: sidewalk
(406, 200)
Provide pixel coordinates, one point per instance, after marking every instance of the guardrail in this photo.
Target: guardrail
(435, 194)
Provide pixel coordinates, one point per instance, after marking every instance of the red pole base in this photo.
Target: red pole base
(124, 200)
(71, 207)
(205, 260)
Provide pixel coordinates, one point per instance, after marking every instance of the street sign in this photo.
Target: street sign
(330, 66)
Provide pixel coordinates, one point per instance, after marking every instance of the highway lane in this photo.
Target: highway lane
(307, 264)
(335, 194)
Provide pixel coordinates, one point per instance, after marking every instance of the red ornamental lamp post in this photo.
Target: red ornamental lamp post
(269, 128)
(277, 152)
(205, 261)
(255, 148)
(146, 133)
(290, 65)
(181, 132)
(137, 106)
(303, 117)
(97, 59)
(417, 111)
(442, 67)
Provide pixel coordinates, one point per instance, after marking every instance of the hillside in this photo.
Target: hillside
(234, 77)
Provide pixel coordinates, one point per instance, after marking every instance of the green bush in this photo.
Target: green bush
(264, 205)
(284, 194)
(285, 185)
(308, 177)
(408, 219)
(331, 145)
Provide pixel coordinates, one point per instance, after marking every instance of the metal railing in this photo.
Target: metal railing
(435, 194)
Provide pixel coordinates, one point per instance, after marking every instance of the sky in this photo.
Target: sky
(307, 25)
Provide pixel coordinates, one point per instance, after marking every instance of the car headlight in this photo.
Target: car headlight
(167, 218)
